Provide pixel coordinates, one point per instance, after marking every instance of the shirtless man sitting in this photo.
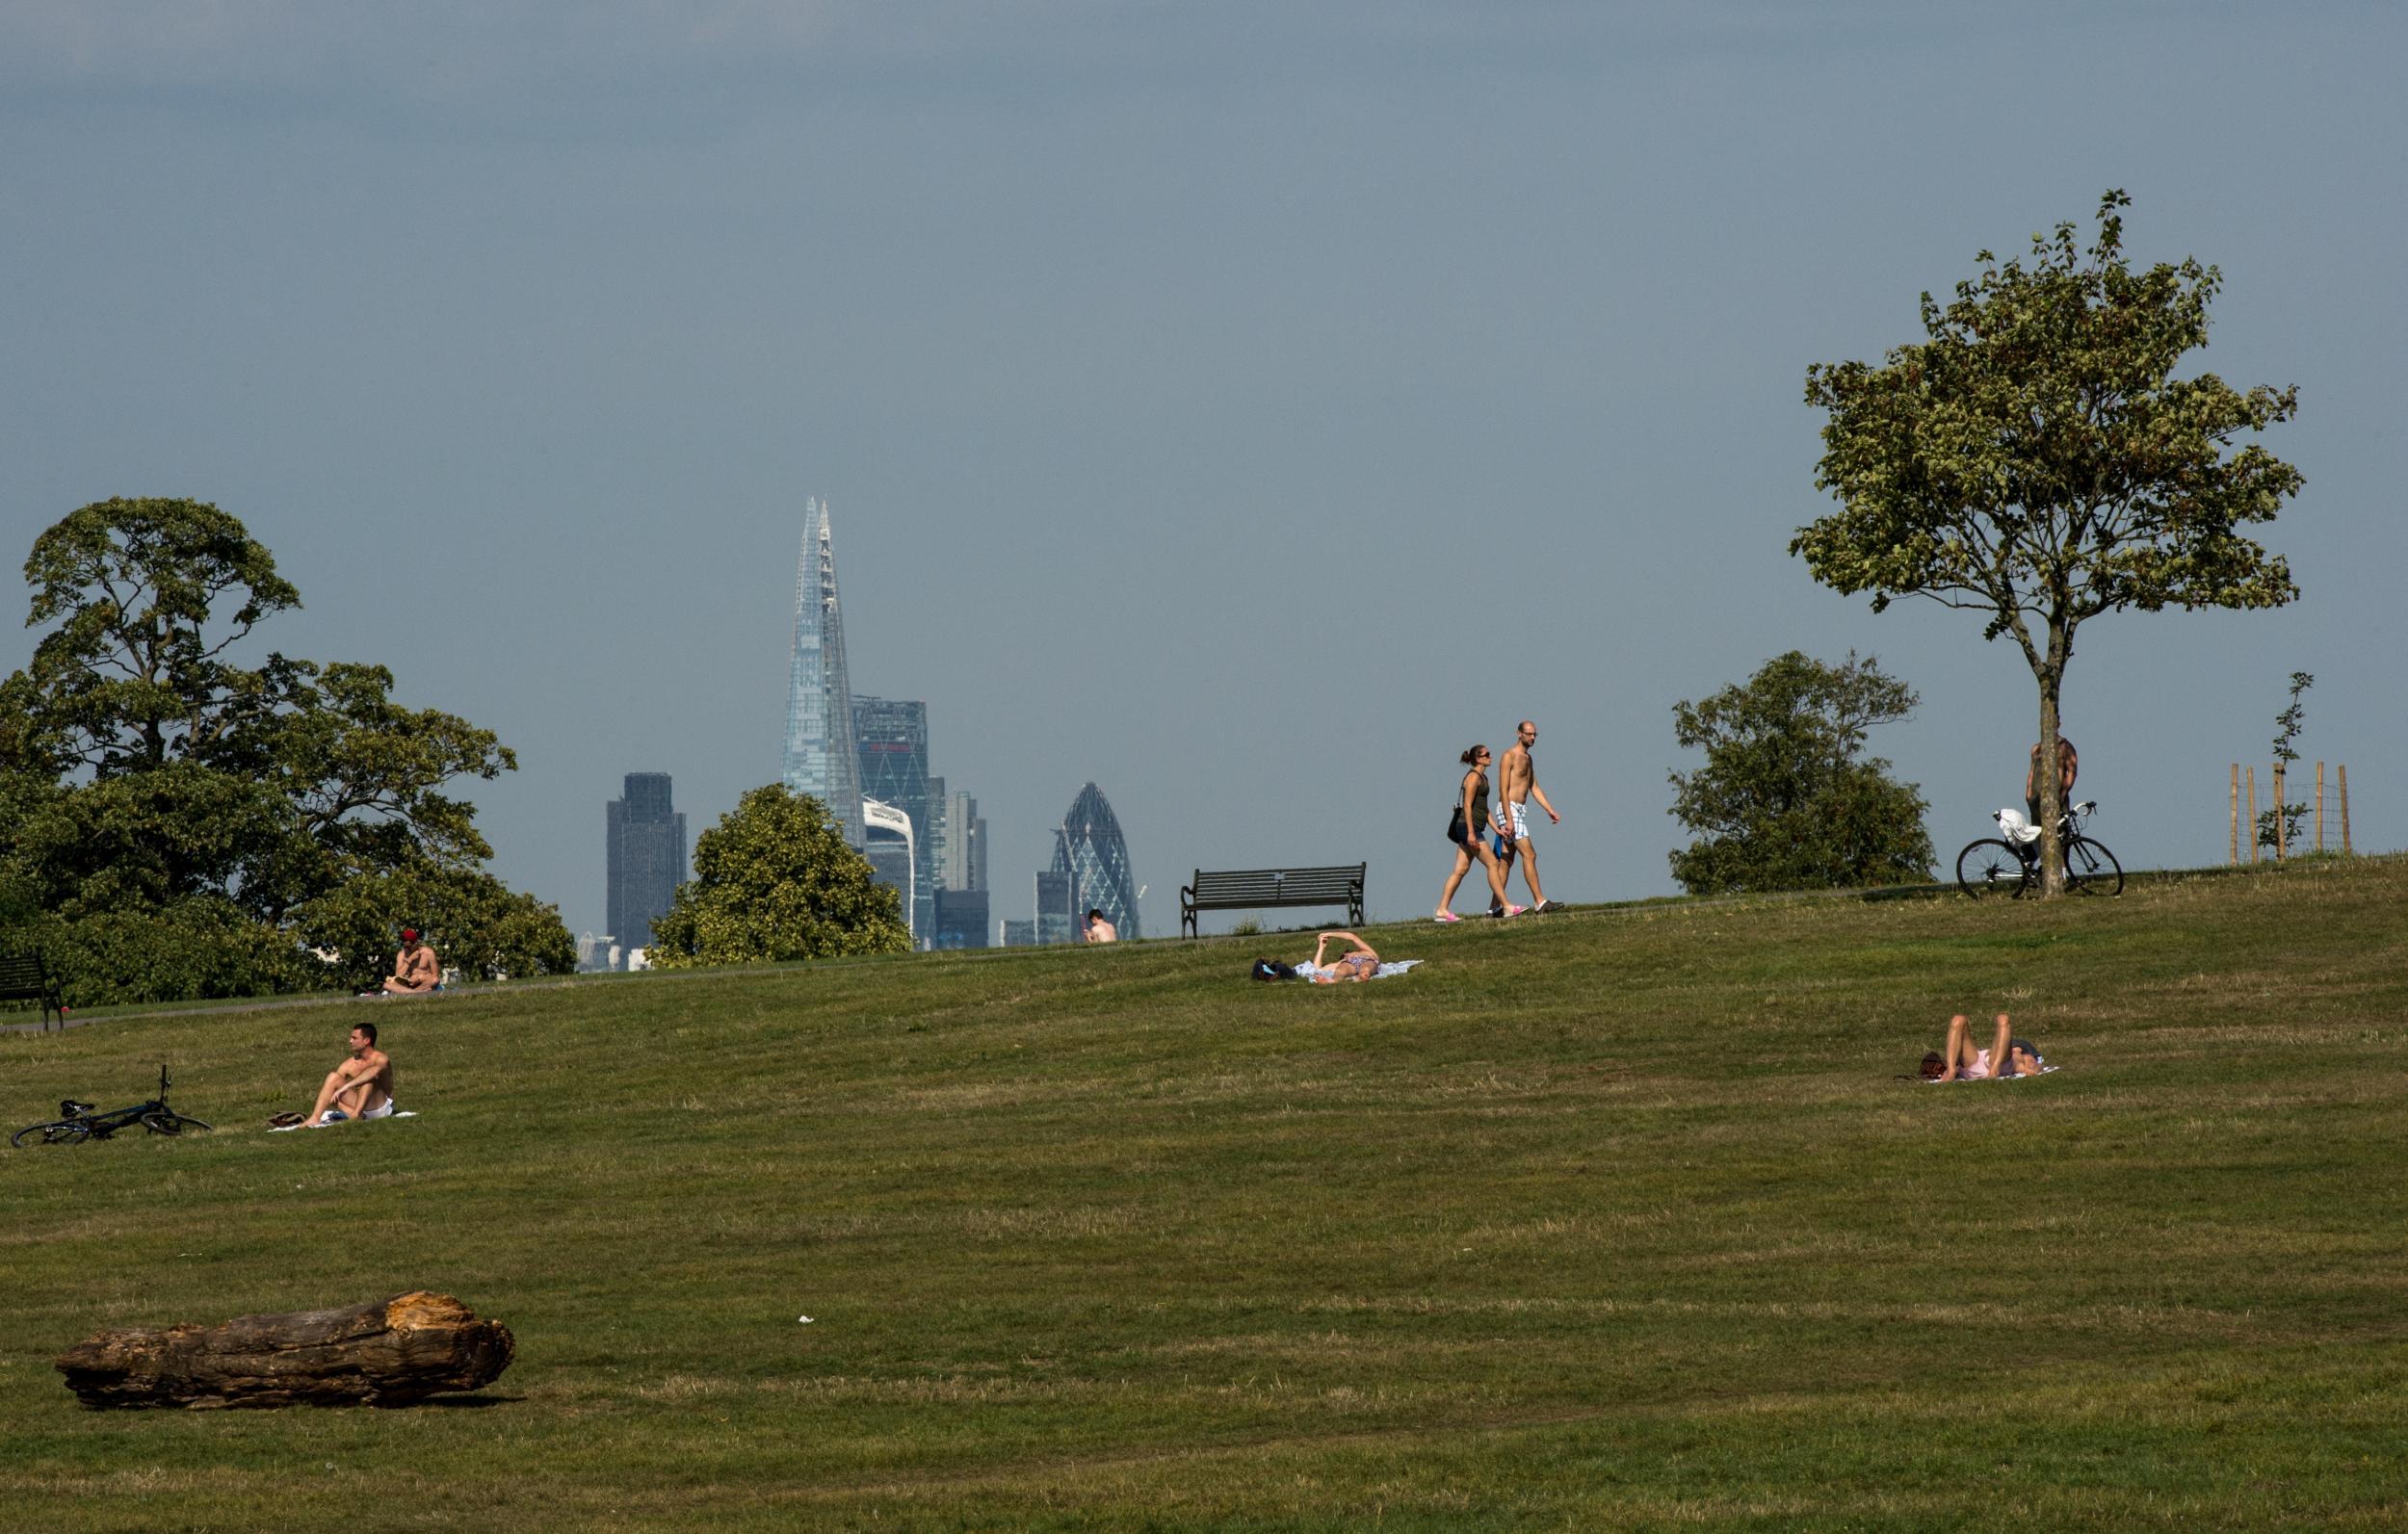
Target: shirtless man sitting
(1099, 928)
(415, 970)
(361, 1088)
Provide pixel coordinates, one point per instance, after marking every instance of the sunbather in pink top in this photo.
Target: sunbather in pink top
(1965, 1063)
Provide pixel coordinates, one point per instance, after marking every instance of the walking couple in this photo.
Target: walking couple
(1506, 835)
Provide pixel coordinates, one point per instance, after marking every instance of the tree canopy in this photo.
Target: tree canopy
(775, 880)
(1783, 801)
(2036, 460)
(169, 804)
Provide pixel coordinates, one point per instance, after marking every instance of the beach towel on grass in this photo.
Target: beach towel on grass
(397, 1114)
(1387, 971)
(1933, 1081)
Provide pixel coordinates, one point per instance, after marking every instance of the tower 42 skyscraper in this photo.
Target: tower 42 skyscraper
(820, 758)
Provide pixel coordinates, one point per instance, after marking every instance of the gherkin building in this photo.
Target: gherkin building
(1087, 845)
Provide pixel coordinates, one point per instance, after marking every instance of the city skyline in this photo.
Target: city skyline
(1117, 328)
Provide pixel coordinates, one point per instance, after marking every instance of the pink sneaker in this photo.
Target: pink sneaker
(1515, 910)
(1445, 916)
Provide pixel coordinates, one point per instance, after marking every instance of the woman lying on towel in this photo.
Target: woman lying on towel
(1361, 964)
(1960, 1061)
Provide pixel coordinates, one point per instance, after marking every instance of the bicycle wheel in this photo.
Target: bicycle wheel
(2090, 868)
(67, 1132)
(167, 1121)
(1990, 867)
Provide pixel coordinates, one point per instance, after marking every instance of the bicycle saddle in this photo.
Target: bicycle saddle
(69, 1109)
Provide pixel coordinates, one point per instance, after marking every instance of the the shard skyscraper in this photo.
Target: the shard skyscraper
(821, 759)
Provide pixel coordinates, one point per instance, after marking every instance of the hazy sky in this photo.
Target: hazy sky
(1246, 406)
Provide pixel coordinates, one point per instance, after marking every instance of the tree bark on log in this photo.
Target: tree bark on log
(385, 1353)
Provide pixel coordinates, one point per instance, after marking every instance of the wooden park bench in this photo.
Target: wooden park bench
(1257, 889)
(23, 978)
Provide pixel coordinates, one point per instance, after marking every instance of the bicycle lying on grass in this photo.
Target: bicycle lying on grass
(2011, 866)
(78, 1122)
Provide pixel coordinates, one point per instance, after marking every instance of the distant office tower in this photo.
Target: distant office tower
(888, 843)
(1087, 848)
(1019, 934)
(1056, 922)
(891, 736)
(820, 760)
(932, 835)
(959, 856)
(648, 857)
(962, 918)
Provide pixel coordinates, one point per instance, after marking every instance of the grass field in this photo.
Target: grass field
(1621, 1218)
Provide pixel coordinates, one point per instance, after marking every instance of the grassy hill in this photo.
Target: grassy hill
(1619, 1218)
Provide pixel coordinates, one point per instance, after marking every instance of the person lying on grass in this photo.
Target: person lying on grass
(1959, 1061)
(361, 1088)
(1360, 965)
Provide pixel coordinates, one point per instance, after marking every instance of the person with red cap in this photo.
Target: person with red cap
(415, 971)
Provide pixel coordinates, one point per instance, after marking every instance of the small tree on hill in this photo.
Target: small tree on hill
(2037, 461)
(1783, 801)
(774, 880)
(2278, 828)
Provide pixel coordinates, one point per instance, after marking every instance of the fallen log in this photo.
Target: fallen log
(385, 1353)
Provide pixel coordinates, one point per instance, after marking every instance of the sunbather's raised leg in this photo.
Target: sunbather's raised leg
(1958, 1051)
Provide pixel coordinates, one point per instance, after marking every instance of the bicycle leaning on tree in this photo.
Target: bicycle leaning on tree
(2009, 864)
(78, 1122)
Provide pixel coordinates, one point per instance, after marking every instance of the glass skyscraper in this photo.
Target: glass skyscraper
(820, 757)
(646, 859)
(892, 738)
(1089, 849)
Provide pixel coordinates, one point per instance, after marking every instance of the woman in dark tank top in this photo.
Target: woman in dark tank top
(1471, 811)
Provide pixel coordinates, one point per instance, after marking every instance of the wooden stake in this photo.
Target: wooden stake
(2253, 813)
(2319, 806)
(2281, 812)
(2344, 777)
(2235, 858)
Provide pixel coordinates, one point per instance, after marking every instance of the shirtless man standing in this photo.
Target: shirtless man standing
(361, 1088)
(1521, 783)
(415, 971)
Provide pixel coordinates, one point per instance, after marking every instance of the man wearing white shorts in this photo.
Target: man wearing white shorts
(361, 1088)
(1521, 783)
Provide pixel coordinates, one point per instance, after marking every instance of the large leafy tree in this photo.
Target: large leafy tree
(2037, 461)
(154, 773)
(775, 880)
(1785, 800)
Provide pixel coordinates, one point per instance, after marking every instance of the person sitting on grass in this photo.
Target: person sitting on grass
(416, 971)
(1959, 1061)
(361, 1088)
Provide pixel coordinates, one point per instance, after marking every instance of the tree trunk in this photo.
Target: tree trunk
(384, 1353)
(2051, 784)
